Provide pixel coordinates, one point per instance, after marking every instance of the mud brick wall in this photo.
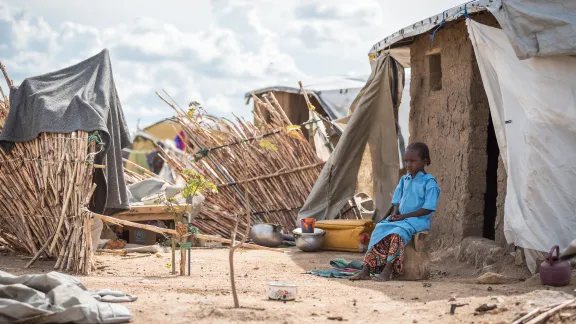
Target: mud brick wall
(500, 239)
(453, 121)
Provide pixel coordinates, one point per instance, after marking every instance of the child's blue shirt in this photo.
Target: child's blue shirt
(412, 194)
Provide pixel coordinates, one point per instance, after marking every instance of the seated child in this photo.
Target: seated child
(414, 202)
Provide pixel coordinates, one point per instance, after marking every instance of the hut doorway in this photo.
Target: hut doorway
(491, 195)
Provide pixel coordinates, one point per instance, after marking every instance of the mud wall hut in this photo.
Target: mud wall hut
(449, 111)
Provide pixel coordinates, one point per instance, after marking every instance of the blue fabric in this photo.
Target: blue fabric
(333, 273)
(411, 194)
(341, 269)
(339, 263)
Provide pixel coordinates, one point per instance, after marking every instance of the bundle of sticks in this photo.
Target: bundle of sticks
(564, 312)
(44, 183)
(272, 159)
(131, 177)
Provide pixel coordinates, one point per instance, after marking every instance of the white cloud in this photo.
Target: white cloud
(219, 103)
(211, 51)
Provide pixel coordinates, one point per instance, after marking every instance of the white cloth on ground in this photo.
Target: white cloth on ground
(58, 298)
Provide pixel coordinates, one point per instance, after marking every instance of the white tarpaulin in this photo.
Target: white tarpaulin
(533, 107)
(335, 94)
(537, 27)
(321, 140)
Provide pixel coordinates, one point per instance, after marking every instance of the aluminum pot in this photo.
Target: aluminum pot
(266, 235)
(309, 242)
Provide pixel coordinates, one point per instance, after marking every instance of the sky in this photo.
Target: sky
(209, 51)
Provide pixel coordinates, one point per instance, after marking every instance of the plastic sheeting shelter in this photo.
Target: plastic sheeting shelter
(533, 27)
(335, 94)
(533, 107)
(373, 123)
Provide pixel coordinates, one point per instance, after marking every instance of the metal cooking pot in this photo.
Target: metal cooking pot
(309, 242)
(266, 235)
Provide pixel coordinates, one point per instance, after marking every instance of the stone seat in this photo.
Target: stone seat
(416, 261)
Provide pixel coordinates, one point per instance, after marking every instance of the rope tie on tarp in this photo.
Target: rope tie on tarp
(96, 138)
(440, 26)
(466, 10)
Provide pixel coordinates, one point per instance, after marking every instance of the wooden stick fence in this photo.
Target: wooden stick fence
(271, 158)
(43, 185)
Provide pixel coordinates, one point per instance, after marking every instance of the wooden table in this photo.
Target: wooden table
(152, 212)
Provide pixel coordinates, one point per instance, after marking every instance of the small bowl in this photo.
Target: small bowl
(309, 242)
(282, 291)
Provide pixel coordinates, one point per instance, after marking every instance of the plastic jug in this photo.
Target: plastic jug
(307, 225)
(554, 272)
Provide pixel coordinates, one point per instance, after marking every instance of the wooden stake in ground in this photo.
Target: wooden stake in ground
(173, 255)
(182, 258)
(233, 246)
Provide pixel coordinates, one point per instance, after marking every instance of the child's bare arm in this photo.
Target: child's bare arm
(418, 213)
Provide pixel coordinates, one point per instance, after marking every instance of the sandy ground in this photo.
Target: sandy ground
(205, 296)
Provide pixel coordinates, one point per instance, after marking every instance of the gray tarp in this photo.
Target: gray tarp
(373, 123)
(80, 97)
(537, 27)
(58, 298)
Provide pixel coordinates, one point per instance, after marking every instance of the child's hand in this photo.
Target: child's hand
(395, 218)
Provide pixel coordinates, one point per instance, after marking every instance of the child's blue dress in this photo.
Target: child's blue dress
(411, 194)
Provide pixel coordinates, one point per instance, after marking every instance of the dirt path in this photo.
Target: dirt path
(205, 296)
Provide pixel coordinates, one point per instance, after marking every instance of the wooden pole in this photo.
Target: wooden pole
(182, 257)
(146, 171)
(173, 255)
(159, 230)
(235, 246)
(71, 187)
(277, 174)
(8, 80)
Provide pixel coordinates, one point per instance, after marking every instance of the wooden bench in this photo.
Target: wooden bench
(416, 261)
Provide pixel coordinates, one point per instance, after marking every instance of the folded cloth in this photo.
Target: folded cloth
(341, 269)
(112, 296)
(341, 263)
(58, 298)
(334, 273)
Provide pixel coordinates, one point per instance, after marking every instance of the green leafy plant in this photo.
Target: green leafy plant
(196, 183)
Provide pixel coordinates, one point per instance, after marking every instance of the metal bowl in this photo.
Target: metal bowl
(266, 235)
(309, 242)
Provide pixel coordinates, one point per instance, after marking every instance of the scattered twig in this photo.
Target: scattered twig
(542, 318)
(121, 252)
(37, 255)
